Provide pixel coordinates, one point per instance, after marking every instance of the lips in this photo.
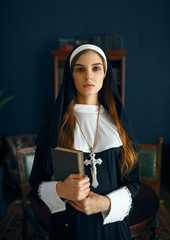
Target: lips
(88, 86)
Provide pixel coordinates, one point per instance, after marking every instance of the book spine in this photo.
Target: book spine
(81, 163)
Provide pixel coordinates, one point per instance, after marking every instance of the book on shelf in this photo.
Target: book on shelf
(108, 42)
(67, 44)
(66, 161)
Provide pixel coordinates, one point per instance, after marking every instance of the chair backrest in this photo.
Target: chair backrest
(150, 164)
(25, 163)
(147, 162)
(12, 143)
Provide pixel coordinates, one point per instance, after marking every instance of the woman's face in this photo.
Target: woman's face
(88, 74)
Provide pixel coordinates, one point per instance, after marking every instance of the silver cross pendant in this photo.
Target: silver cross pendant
(93, 161)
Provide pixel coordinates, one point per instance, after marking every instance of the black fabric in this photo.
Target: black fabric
(42, 167)
(83, 227)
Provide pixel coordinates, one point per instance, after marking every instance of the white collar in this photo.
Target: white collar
(108, 134)
(84, 108)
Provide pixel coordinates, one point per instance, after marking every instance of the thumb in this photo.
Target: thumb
(91, 194)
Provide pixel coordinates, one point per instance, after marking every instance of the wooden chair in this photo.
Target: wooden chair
(150, 164)
(11, 143)
(25, 162)
(150, 170)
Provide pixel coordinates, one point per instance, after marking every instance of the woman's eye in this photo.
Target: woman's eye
(80, 69)
(96, 68)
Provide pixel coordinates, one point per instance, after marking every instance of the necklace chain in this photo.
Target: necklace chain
(97, 131)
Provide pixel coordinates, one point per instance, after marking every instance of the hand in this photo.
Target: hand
(75, 187)
(93, 203)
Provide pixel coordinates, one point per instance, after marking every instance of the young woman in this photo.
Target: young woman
(88, 116)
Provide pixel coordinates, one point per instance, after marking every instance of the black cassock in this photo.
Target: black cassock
(74, 225)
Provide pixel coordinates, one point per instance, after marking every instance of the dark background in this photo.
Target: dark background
(30, 29)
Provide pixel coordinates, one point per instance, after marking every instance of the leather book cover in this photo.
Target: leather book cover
(66, 161)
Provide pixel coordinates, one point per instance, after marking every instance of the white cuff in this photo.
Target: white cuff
(121, 202)
(47, 193)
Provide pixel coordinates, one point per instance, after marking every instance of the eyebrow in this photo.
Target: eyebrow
(94, 64)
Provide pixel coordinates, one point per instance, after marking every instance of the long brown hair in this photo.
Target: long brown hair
(129, 154)
(66, 132)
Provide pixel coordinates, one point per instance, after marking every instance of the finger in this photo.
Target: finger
(78, 205)
(85, 181)
(86, 191)
(75, 205)
(84, 185)
(85, 194)
(82, 195)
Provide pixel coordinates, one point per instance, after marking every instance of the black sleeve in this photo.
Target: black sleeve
(41, 170)
(132, 180)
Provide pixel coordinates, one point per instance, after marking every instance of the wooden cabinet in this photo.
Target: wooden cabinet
(117, 58)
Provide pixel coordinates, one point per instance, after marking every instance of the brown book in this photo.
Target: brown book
(66, 161)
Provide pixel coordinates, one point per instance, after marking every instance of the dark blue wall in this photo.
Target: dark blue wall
(29, 29)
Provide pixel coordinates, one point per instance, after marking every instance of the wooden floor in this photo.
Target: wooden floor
(165, 196)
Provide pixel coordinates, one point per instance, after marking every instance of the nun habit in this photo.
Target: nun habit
(66, 222)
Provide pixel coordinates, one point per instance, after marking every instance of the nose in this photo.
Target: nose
(89, 75)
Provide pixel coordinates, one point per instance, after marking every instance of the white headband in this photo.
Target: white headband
(91, 47)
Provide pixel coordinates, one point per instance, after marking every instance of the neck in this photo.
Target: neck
(88, 100)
